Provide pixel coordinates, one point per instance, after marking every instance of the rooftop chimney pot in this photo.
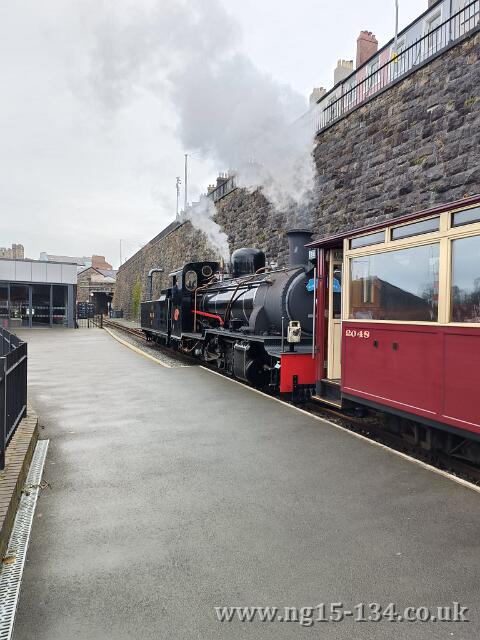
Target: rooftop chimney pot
(317, 93)
(343, 70)
(367, 46)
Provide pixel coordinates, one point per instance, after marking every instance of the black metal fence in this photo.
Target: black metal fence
(13, 387)
(377, 76)
(86, 316)
(88, 323)
(223, 189)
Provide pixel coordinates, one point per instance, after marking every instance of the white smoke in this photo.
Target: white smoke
(228, 109)
(201, 217)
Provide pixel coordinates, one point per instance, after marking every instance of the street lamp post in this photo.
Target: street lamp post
(178, 183)
(185, 183)
(395, 44)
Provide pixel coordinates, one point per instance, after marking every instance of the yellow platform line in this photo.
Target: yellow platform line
(137, 350)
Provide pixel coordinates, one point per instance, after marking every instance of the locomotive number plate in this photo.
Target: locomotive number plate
(357, 333)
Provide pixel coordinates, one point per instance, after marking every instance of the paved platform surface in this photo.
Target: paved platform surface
(174, 491)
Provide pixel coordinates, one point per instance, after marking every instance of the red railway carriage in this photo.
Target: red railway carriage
(398, 322)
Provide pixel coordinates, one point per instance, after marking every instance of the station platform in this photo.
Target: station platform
(175, 491)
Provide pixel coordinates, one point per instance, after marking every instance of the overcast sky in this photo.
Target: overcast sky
(90, 137)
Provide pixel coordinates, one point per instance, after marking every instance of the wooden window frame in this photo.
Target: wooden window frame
(444, 237)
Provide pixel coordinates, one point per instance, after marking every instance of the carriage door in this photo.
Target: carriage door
(335, 282)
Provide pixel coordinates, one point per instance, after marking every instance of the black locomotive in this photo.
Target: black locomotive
(250, 322)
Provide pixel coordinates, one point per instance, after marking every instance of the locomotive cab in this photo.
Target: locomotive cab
(194, 276)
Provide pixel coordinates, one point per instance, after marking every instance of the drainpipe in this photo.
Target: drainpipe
(150, 281)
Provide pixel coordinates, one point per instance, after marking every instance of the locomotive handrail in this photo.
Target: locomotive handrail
(231, 301)
(214, 316)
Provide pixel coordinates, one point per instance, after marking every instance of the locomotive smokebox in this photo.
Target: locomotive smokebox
(247, 261)
(298, 253)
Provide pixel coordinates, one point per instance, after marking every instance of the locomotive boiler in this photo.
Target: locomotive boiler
(260, 301)
(239, 320)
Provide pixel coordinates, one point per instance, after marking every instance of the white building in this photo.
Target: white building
(35, 293)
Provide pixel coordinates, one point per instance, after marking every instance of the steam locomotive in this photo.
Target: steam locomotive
(253, 322)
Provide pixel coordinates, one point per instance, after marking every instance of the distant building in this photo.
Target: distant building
(36, 293)
(97, 286)
(98, 262)
(15, 252)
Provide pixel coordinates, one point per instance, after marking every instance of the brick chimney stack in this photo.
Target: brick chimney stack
(367, 46)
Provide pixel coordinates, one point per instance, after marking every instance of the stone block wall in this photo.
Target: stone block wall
(177, 244)
(414, 146)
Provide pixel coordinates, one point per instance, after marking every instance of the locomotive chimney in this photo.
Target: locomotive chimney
(298, 253)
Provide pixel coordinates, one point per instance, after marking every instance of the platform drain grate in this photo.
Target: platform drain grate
(11, 573)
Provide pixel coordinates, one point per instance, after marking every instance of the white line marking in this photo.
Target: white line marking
(11, 574)
(400, 454)
(137, 350)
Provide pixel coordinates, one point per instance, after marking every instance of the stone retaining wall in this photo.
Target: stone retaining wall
(413, 146)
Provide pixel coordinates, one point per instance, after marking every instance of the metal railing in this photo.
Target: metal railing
(355, 91)
(223, 189)
(13, 387)
(95, 320)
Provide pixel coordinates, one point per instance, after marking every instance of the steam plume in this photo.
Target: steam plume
(201, 217)
(227, 108)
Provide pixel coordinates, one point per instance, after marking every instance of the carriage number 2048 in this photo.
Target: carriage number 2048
(354, 333)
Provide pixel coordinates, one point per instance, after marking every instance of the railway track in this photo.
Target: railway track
(371, 427)
(134, 331)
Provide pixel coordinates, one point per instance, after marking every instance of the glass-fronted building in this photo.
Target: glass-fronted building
(34, 293)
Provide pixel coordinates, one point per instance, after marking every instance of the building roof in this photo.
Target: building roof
(67, 259)
(106, 273)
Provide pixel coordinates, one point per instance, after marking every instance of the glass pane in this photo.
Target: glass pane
(466, 217)
(396, 285)
(337, 292)
(41, 304)
(365, 241)
(466, 280)
(3, 306)
(59, 308)
(19, 306)
(416, 228)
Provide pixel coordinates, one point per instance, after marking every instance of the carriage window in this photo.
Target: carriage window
(365, 241)
(416, 228)
(466, 280)
(466, 217)
(396, 285)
